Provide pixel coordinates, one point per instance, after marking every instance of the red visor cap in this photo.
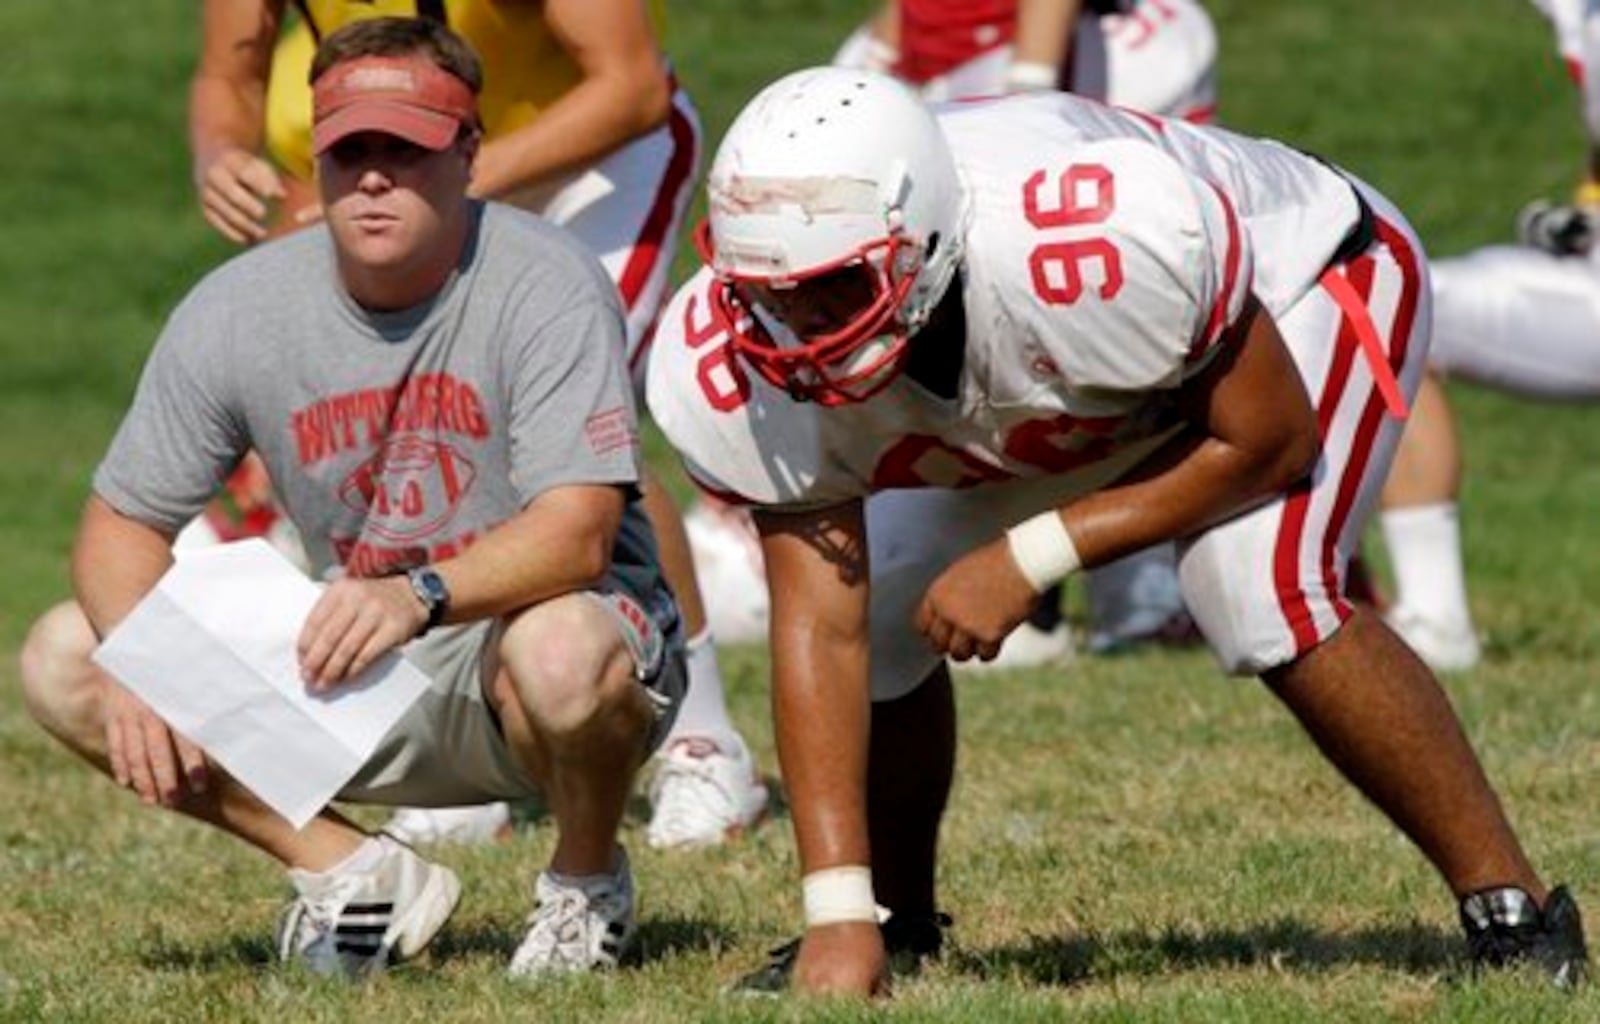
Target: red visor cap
(409, 97)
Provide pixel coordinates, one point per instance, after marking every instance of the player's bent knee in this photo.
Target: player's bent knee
(60, 684)
(566, 662)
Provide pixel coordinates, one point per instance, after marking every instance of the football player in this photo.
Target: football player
(1524, 318)
(950, 359)
(1152, 55)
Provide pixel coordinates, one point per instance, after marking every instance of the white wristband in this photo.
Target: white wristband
(1031, 76)
(1043, 550)
(839, 894)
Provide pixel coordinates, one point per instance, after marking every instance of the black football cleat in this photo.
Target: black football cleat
(1506, 928)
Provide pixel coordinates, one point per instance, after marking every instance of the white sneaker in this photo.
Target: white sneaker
(357, 923)
(1028, 646)
(703, 794)
(579, 925)
(1445, 646)
(417, 826)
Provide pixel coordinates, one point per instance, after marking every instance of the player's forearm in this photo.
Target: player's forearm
(597, 117)
(115, 563)
(223, 115)
(560, 543)
(817, 578)
(1190, 484)
(227, 94)
(1251, 433)
(822, 717)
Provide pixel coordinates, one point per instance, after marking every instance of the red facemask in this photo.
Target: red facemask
(834, 367)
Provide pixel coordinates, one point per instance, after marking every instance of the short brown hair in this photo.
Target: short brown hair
(401, 37)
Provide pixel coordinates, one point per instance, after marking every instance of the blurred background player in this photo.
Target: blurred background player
(585, 124)
(1158, 56)
(1524, 318)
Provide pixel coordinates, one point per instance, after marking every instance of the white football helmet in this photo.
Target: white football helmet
(828, 170)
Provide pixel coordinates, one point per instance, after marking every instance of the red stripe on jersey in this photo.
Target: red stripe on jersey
(1230, 281)
(1575, 71)
(649, 248)
(1206, 113)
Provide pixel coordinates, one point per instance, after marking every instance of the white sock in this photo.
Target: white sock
(704, 712)
(1424, 543)
(362, 859)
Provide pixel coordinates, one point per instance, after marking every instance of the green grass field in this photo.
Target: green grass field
(1133, 839)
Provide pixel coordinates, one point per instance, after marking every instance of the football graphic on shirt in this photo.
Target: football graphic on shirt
(411, 488)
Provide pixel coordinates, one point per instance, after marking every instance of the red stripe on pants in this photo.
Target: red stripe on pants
(648, 249)
(1292, 530)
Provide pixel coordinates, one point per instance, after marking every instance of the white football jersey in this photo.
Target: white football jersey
(1106, 254)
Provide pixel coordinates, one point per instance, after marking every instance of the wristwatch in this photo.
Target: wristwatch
(428, 586)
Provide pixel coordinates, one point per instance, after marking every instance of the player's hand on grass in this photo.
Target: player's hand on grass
(842, 959)
(146, 755)
(974, 604)
(353, 624)
(237, 190)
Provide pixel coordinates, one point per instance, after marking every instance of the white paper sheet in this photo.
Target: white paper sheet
(211, 650)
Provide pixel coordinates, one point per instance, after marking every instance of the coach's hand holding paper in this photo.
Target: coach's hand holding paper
(212, 651)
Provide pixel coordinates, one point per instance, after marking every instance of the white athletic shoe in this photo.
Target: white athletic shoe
(1445, 646)
(703, 794)
(577, 926)
(417, 826)
(357, 923)
(1028, 646)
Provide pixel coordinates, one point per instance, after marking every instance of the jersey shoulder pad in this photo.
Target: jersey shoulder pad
(740, 438)
(1132, 265)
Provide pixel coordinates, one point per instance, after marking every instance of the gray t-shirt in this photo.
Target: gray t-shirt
(393, 439)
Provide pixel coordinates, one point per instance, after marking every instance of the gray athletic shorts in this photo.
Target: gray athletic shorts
(448, 749)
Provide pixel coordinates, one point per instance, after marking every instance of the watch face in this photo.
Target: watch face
(430, 588)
